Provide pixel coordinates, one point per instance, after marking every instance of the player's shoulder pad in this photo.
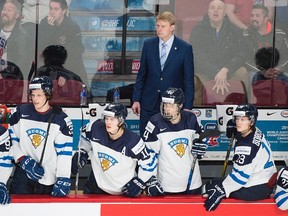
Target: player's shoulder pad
(56, 109)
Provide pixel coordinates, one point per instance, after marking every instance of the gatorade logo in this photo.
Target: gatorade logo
(93, 112)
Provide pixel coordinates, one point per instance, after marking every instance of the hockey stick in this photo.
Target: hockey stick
(54, 111)
(78, 158)
(206, 134)
(227, 156)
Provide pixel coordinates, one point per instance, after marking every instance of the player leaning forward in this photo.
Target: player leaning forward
(115, 151)
(253, 163)
(42, 138)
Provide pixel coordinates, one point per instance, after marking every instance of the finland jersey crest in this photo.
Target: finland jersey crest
(36, 136)
(106, 161)
(179, 145)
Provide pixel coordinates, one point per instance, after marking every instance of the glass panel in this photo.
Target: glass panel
(104, 54)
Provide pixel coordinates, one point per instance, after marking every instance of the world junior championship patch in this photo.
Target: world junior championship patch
(106, 161)
(36, 136)
(179, 145)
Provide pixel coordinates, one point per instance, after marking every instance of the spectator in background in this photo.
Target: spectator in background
(58, 29)
(16, 48)
(216, 45)
(8, 70)
(268, 68)
(239, 11)
(163, 65)
(54, 59)
(31, 16)
(260, 34)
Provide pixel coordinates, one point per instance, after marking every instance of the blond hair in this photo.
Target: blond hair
(166, 16)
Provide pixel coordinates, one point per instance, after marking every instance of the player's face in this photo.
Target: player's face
(170, 109)
(164, 29)
(9, 14)
(216, 11)
(257, 19)
(111, 124)
(39, 99)
(56, 12)
(243, 124)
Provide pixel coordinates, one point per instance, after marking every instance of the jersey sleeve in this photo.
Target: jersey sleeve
(6, 158)
(150, 137)
(14, 130)
(147, 160)
(281, 193)
(84, 141)
(251, 159)
(63, 145)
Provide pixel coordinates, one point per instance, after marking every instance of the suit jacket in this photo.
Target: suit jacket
(178, 72)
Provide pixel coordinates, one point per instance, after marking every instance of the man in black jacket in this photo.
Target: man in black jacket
(16, 37)
(216, 43)
(59, 29)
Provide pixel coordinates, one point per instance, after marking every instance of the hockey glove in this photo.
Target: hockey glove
(134, 187)
(215, 193)
(153, 187)
(281, 193)
(198, 149)
(231, 129)
(82, 161)
(4, 194)
(33, 170)
(61, 187)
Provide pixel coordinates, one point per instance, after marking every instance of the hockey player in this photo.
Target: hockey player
(253, 163)
(281, 193)
(6, 165)
(42, 138)
(115, 152)
(173, 135)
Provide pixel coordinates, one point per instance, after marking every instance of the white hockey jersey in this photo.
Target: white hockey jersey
(114, 161)
(281, 193)
(6, 166)
(172, 143)
(28, 130)
(253, 163)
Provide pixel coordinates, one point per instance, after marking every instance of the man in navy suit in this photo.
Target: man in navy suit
(153, 80)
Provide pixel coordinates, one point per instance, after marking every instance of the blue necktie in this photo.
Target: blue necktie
(163, 55)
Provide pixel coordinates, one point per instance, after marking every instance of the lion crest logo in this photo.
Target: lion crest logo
(36, 136)
(106, 161)
(179, 145)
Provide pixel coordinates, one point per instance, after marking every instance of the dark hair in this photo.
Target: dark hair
(54, 55)
(264, 58)
(63, 3)
(261, 7)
